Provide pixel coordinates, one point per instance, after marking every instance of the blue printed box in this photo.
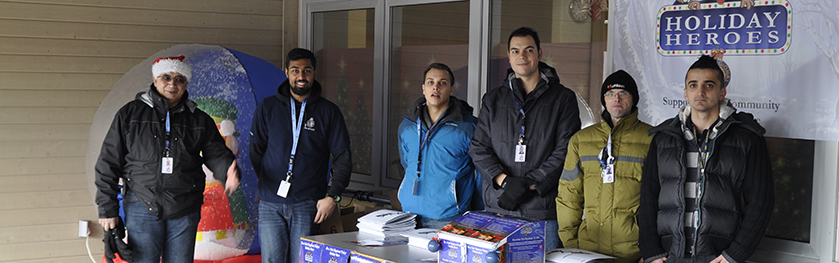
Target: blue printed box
(469, 238)
(310, 251)
(316, 252)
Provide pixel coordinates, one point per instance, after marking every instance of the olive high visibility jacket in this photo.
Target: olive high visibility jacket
(610, 225)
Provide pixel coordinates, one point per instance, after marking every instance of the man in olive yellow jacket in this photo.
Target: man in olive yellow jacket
(597, 204)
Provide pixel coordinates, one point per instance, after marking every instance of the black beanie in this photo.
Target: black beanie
(620, 80)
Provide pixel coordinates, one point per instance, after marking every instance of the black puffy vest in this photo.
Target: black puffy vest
(721, 198)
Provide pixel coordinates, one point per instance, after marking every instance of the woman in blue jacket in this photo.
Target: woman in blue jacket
(434, 142)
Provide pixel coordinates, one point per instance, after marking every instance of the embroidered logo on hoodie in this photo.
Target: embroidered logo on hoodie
(310, 124)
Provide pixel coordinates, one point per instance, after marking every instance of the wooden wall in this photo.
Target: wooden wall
(58, 61)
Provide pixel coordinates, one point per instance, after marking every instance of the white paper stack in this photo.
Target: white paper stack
(420, 237)
(386, 223)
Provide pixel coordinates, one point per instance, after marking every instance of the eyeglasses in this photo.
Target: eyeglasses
(178, 79)
(612, 94)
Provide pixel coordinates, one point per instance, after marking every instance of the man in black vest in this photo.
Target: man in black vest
(706, 189)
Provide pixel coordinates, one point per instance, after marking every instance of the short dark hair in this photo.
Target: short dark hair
(298, 54)
(523, 32)
(708, 62)
(439, 66)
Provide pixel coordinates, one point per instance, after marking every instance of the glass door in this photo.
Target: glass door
(371, 56)
(343, 43)
(421, 35)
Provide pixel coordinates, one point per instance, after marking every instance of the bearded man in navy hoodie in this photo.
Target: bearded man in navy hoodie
(293, 135)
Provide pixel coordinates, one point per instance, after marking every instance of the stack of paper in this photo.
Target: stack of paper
(420, 237)
(386, 223)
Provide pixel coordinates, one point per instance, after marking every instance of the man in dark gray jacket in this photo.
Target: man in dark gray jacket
(522, 136)
(157, 144)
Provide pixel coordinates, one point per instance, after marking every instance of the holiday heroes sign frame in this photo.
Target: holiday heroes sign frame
(784, 59)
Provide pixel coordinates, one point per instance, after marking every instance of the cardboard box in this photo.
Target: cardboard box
(316, 252)
(469, 238)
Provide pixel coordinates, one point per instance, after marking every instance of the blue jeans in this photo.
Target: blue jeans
(149, 238)
(281, 226)
(552, 235)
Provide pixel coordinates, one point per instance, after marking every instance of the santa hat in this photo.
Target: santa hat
(171, 64)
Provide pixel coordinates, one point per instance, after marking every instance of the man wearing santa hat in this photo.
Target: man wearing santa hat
(156, 145)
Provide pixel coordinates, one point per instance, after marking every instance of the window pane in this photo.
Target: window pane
(423, 34)
(792, 167)
(343, 46)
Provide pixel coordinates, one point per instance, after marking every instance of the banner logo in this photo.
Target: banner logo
(765, 29)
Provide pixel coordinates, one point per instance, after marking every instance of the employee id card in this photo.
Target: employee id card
(521, 153)
(608, 171)
(168, 163)
(283, 190)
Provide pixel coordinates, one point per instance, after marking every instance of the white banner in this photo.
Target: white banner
(783, 56)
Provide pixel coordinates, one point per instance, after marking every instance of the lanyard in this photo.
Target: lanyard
(703, 150)
(423, 140)
(521, 111)
(296, 125)
(608, 154)
(703, 155)
(166, 149)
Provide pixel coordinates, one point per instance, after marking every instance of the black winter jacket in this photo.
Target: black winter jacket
(737, 193)
(552, 118)
(133, 150)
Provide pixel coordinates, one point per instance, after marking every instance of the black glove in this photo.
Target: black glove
(110, 246)
(114, 244)
(516, 192)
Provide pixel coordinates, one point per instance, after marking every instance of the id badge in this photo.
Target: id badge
(283, 190)
(168, 163)
(608, 174)
(521, 153)
(415, 191)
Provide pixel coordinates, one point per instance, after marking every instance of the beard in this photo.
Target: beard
(302, 91)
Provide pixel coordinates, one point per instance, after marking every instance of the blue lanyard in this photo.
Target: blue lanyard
(423, 141)
(166, 149)
(296, 125)
(521, 111)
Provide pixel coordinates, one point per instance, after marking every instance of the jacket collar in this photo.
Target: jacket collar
(161, 104)
(549, 79)
(626, 121)
(605, 115)
(729, 115)
(284, 92)
(455, 112)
